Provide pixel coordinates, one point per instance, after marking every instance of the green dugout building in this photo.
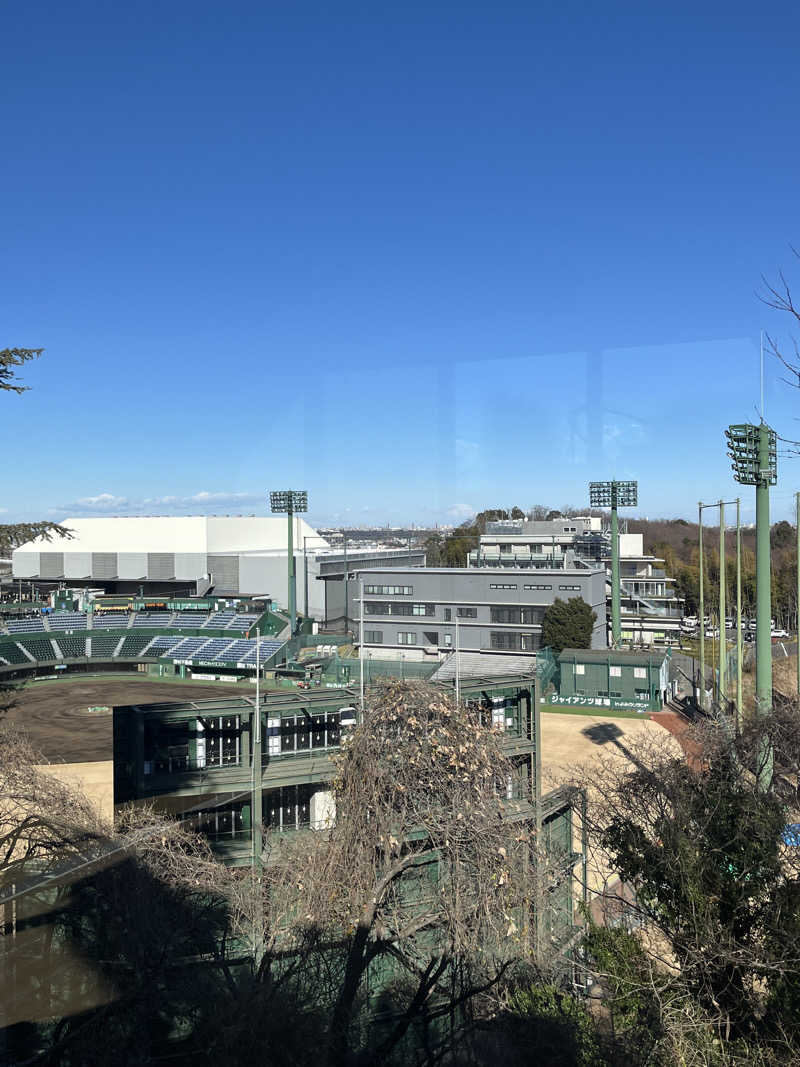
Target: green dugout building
(613, 678)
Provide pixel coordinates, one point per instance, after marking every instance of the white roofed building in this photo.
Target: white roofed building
(196, 555)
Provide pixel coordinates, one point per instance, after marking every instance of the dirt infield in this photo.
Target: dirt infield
(54, 714)
(572, 740)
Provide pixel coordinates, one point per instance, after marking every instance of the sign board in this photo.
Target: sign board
(598, 702)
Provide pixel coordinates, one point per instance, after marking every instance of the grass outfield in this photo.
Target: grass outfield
(595, 713)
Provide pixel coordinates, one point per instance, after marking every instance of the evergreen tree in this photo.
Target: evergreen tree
(568, 624)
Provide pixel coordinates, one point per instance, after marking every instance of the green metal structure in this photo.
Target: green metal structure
(723, 687)
(614, 495)
(754, 455)
(292, 502)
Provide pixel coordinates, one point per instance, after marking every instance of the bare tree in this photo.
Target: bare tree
(97, 925)
(428, 874)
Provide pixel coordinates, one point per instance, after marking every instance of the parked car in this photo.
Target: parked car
(779, 634)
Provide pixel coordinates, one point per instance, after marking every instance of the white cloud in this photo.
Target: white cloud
(198, 503)
(461, 511)
(101, 502)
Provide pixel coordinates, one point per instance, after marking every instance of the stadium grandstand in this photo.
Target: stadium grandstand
(121, 632)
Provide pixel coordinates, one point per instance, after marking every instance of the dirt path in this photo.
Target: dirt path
(680, 728)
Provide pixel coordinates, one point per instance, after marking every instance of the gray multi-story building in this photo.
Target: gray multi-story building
(414, 611)
(651, 609)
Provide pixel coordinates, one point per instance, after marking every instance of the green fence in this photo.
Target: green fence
(346, 671)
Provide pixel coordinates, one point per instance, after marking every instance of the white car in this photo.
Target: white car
(779, 633)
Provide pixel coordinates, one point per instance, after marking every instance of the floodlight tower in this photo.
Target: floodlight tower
(754, 455)
(292, 502)
(614, 495)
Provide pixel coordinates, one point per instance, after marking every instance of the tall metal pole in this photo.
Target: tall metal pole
(361, 643)
(702, 616)
(616, 631)
(256, 813)
(305, 578)
(344, 537)
(723, 688)
(763, 581)
(458, 666)
(797, 605)
(738, 615)
(763, 603)
(292, 586)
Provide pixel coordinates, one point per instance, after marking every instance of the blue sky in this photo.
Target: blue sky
(418, 259)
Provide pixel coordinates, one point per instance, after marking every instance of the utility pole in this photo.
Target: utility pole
(701, 612)
(361, 643)
(797, 612)
(344, 538)
(458, 667)
(256, 813)
(738, 616)
(753, 450)
(722, 610)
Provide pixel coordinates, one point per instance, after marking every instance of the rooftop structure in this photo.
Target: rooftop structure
(650, 610)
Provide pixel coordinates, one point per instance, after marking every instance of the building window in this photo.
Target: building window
(642, 694)
(574, 588)
(639, 672)
(505, 614)
(537, 587)
(373, 637)
(448, 639)
(431, 637)
(389, 590)
(617, 695)
(400, 609)
(375, 607)
(504, 641)
(467, 613)
(423, 609)
(448, 614)
(580, 668)
(499, 585)
(615, 672)
(406, 638)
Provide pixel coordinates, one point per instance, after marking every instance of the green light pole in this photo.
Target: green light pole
(797, 603)
(614, 495)
(292, 502)
(701, 612)
(723, 648)
(753, 451)
(738, 615)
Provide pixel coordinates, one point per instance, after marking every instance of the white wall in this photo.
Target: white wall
(268, 574)
(631, 544)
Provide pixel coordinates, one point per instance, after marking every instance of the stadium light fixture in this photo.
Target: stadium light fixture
(290, 502)
(614, 495)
